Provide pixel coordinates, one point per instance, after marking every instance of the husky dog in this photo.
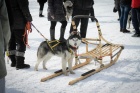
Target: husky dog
(68, 5)
(65, 50)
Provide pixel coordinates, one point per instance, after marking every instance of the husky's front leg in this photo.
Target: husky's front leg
(36, 65)
(64, 69)
(45, 61)
(70, 65)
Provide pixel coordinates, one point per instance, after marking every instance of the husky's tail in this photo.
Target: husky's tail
(68, 5)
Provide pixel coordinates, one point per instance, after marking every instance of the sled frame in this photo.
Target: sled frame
(103, 49)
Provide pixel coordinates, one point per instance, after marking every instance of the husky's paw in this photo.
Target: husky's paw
(72, 72)
(66, 74)
(36, 69)
(45, 68)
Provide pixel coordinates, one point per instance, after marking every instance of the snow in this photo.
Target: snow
(122, 77)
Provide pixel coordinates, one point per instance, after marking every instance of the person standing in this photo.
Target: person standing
(4, 39)
(41, 4)
(136, 17)
(21, 17)
(81, 7)
(56, 13)
(125, 6)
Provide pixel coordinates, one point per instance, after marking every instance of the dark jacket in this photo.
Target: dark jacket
(9, 10)
(21, 13)
(4, 37)
(125, 2)
(83, 4)
(117, 4)
(41, 1)
(56, 9)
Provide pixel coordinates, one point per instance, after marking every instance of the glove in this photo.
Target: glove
(115, 10)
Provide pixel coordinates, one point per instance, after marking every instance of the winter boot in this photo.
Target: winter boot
(125, 31)
(62, 30)
(40, 13)
(20, 63)
(13, 60)
(121, 30)
(52, 34)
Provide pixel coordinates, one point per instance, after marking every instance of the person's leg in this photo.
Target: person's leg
(52, 30)
(135, 21)
(126, 12)
(41, 9)
(84, 24)
(121, 17)
(83, 28)
(12, 49)
(138, 14)
(2, 85)
(62, 30)
(21, 48)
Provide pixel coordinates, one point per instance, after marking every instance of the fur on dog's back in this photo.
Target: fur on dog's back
(44, 48)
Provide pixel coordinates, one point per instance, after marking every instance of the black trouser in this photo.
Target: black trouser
(53, 24)
(84, 21)
(136, 19)
(41, 6)
(92, 12)
(16, 42)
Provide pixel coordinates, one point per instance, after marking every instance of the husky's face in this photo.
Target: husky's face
(75, 39)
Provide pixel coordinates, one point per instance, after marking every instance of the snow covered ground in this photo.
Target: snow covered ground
(123, 77)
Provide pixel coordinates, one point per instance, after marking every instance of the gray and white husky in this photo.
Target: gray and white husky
(65, 50)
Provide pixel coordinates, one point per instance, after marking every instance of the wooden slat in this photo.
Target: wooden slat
(95, 53)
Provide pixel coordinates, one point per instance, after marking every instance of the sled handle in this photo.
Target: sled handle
(81, 16)
(84, 16)
(97, 24)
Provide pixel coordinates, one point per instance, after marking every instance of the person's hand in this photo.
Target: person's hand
(28, 26)
(115, 10)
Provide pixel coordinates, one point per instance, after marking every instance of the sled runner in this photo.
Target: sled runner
(103, 49)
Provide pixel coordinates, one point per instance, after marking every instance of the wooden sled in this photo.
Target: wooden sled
(103, 49)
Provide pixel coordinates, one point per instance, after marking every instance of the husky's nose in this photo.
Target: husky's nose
(75, 44)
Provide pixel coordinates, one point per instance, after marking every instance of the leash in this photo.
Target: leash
(39, 32)
(43, 37)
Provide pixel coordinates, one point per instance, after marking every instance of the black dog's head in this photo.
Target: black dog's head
(74, 39)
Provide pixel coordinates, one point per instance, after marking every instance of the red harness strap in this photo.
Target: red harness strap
(28, 30)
